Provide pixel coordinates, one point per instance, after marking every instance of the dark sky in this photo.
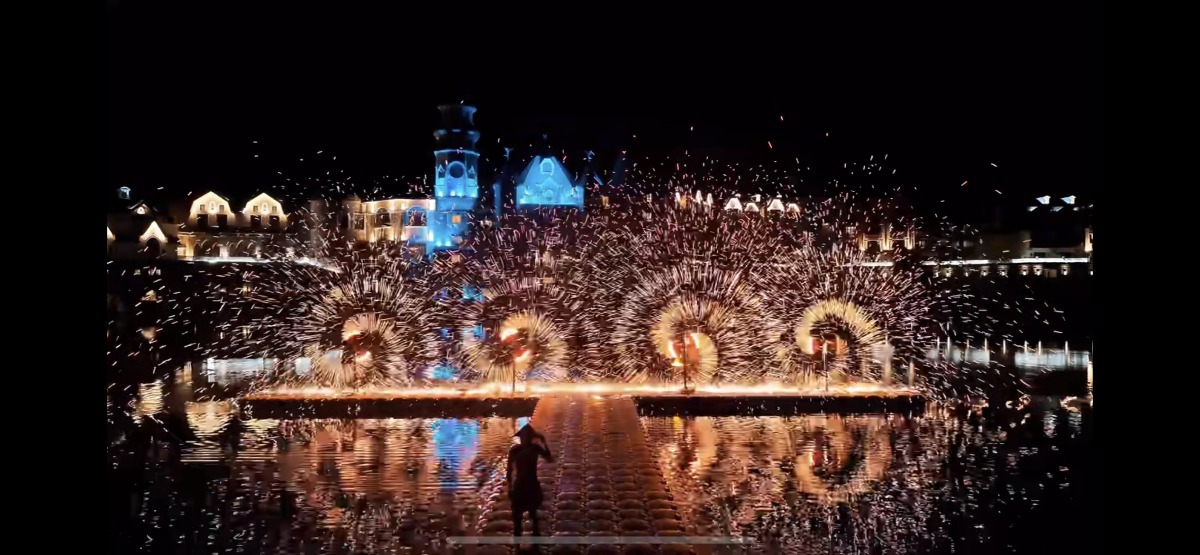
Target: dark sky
(945, 93)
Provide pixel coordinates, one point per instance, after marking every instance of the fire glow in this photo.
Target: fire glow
(602, 389)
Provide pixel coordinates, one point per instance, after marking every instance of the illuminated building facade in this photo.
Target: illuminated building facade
(210, 228)
(424, 226)
(136, 230)
(428, 225)
(216, 228)
(545, 183)
(1055, 244)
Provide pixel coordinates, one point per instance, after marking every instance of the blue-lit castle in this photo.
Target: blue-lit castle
(426, 226)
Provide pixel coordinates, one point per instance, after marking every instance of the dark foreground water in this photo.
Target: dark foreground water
(187, 476)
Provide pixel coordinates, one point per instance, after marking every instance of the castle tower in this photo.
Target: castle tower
(456, 175)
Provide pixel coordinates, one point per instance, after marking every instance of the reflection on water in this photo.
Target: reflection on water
(291, 485)
(189, 475)
(867, 484)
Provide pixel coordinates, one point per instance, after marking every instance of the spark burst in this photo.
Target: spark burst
(651, 285)
(519, 328)
(366, 325)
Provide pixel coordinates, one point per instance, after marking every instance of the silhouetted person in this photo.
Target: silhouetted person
(524, 490)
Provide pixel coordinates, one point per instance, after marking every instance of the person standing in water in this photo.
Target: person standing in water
(524, 490)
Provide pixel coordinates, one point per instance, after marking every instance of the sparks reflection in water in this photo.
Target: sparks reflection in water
(276, 486)
(849, 484)
(852, 484)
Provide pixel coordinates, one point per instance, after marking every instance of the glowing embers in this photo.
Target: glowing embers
(372, 352)
(813, 338)
(361, 328)
(518, 331)
(529, 346)
(689, 325)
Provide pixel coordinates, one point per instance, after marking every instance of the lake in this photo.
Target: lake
(187, 475)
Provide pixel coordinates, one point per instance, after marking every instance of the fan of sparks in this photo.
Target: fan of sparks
(518, 328)
(653, 289)
(366, 325)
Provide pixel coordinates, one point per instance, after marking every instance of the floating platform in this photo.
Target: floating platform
(286, 407)
(702, 404)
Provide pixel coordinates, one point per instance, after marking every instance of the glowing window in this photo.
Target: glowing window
(416, 218)
(123, 192)
(547, 167)
(220, 208)
(212, 207)
(141, 210)
(456, 219)
(264, 207)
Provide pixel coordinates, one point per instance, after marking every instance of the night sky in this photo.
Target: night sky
(944, 93)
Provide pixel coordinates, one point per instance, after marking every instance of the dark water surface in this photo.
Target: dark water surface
(187, 476)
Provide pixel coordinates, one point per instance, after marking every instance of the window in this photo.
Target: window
(141, 210)
(359, 223)
(256, 220)
(212, 207)
(416, 218)
(264, 208)
(547, 167)
(123, 193)
(274, 222)
(254, 209)
(456, 219)
(274, 209)
(220, 208)
(382, 217)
